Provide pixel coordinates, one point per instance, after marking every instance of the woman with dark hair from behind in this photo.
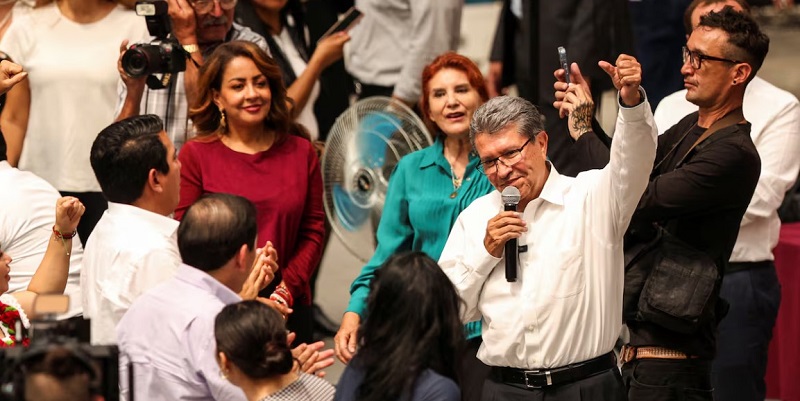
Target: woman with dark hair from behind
(411, 338)
(254, 354)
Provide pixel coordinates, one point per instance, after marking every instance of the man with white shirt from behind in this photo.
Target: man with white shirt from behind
(551, 333)
(26, 216)
(751, 284)
(134, 245)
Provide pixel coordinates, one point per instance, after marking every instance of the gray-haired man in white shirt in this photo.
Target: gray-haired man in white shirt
(551, 332)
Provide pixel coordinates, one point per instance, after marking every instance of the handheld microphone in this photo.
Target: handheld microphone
(510, 198)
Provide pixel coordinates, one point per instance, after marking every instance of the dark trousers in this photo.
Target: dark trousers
(668, 380)
(605, 386)
(744, 334)
(473, 372)
(95, 205)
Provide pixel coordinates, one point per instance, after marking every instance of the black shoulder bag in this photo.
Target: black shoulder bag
(667, 281)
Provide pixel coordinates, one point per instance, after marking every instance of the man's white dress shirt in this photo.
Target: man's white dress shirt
(774, 115)
(130, 251)
(566, 305)
(27, 216)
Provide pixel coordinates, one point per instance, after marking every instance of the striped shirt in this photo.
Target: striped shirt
(307, 388)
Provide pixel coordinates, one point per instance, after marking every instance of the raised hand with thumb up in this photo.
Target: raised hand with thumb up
(626, 76)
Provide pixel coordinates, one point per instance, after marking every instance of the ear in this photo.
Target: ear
(215, 97)
(154, 181)
(541, 139)
(223, 361)
(741, 73)
(242, 260)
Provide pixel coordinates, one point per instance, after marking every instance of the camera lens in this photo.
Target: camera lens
(141, 60)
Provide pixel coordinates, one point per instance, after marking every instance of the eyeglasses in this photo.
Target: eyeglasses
(695, 59)
(206, 6)
(508, 159)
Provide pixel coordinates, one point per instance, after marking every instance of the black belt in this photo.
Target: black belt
(540, 378)
(734, 267)
(369, 90)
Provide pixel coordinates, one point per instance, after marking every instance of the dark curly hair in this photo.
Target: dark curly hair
(745, 39)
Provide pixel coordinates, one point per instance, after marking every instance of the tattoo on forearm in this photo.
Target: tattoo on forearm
(582, 117)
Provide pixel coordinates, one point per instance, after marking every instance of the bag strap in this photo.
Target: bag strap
(731, 118)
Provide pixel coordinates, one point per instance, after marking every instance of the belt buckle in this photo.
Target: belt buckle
(548, 378)
(627, 354)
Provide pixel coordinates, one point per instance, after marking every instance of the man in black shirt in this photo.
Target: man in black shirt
(699, 194)
(706, 171)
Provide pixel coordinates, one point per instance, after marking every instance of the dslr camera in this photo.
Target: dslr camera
(161, 56)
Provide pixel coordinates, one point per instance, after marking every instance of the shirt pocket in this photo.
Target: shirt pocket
(565, 272)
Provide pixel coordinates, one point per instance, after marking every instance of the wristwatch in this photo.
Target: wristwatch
(191, 48)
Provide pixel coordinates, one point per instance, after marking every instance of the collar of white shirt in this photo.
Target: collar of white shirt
(554, 189)
(163, 225)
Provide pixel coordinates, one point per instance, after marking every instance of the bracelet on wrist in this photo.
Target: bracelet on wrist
(63, 236)
(278, 299)
(283, 293)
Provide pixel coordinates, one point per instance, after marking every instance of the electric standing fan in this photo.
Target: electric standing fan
(363, 147)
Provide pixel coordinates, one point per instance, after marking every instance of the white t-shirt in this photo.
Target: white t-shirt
(27, 216)
(306, 116)
(72, 72)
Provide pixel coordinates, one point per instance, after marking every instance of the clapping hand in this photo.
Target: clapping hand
(312, 358)
(264, 267)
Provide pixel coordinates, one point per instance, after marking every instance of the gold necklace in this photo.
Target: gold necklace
(456, 182)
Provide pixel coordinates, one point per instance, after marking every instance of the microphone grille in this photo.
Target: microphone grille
(510, 196)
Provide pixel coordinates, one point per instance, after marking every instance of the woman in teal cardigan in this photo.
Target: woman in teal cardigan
(427, 191)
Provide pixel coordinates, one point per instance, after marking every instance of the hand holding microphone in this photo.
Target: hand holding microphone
(503, 230)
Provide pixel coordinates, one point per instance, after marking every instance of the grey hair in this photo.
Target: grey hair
(499, 112)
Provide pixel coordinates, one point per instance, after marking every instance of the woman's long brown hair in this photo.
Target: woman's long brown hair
(205, 114)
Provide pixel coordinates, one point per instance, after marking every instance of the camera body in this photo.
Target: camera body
(69, 338)
(157, 57)
(162, 55)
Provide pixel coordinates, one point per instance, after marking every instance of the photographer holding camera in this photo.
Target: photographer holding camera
(198, 27)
